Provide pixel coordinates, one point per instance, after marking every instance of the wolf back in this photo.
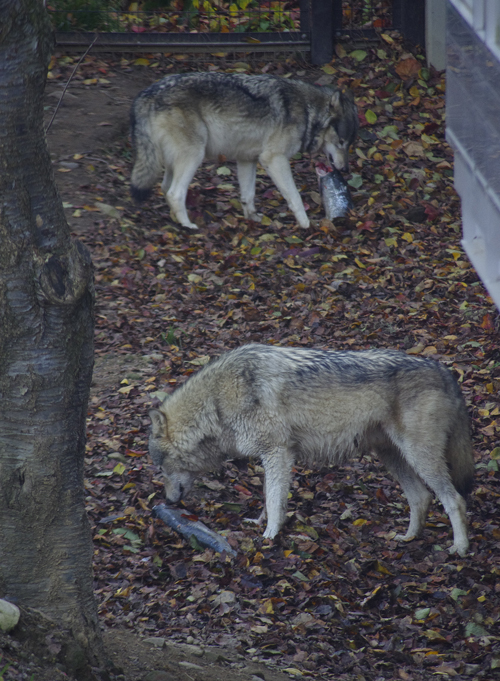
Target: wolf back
(282, 404)
(184, 118)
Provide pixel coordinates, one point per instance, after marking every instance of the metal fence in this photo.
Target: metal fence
(219, 25)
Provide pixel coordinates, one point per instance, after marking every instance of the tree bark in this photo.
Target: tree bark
(46, 357)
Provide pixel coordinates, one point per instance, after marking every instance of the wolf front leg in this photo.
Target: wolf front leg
(277, 472)
(278, 169)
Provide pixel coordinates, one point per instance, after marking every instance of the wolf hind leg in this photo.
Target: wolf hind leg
(455, 507)
(247, 171)
(183, 172)
(277, 473)
(430, 462)
(278, 169)
(417, 494)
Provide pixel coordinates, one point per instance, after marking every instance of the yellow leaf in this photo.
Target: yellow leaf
(415, 350)
(265, 220)
(407, 237)
(266, 608)
(126, 389)
(429, 140)
(370, 116)
(387, 38)
(200, 361)
(142, 61)
(359, 263)
(328, 69)
(119, 469)
(360, 521)
(381, 568)
(433, 635)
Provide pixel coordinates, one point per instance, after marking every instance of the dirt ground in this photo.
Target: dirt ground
(89, 119)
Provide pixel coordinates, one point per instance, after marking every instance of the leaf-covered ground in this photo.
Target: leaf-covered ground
(335, 596)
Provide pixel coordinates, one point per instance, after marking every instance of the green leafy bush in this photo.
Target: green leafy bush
(85, 15)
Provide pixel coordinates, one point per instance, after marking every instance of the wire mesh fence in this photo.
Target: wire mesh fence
(192, 16)
(300, 26)
(215, 16)
(365, 16)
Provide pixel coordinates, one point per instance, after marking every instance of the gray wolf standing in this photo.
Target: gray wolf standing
(282, 404)
(185, 118)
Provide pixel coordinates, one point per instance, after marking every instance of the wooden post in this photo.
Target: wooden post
(322, 31)
(408, 16)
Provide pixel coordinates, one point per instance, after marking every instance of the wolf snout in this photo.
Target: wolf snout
(342, 165)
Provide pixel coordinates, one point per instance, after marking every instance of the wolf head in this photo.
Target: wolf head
(178, 480)
(342, 129)
(184, 439)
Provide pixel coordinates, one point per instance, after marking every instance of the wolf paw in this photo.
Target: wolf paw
(255, 217)
(461, 550)
(257, 521)
(404, 537)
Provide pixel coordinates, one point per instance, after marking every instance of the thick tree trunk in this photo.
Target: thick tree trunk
(46, 355)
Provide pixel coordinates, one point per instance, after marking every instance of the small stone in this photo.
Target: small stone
(190, 665)
(155, 641)
(190, 640)
(197, 651)
(9, 615)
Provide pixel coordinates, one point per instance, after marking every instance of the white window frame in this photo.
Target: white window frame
(484, 17)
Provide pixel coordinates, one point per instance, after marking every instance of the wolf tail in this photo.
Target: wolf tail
(459, 454)
(148, 161)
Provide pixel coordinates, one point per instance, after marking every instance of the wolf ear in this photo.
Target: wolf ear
(335, 100)
(158, 422)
